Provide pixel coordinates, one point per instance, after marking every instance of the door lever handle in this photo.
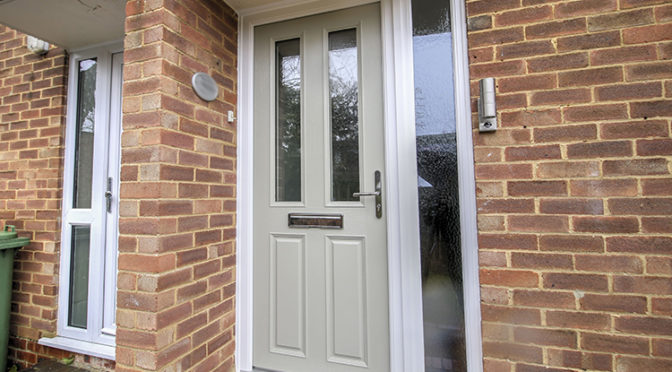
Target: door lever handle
(378, 194)
(370, 193)
(108, 195)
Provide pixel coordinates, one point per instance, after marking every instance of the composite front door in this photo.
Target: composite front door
(320, 252)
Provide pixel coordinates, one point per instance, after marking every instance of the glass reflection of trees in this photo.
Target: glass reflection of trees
(86, 109)
(288, 121)
(344, 100)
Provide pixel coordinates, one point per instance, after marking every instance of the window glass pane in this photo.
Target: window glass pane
(86, 105)
(344, 100)
(288, 121)
(79, 276)
(443, 304)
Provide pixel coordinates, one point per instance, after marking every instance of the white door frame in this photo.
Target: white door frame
(405, 293)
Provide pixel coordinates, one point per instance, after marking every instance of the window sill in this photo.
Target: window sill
(81, 347)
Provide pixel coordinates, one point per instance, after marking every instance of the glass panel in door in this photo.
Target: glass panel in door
(86, 109)
(343, 102)
(436, 146)
(288, 121)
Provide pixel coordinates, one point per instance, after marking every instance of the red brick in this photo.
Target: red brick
(606, 224)
(573, 169)
(617, 344)
(644, 325)
(525, 49)
(614, 303)
(529, 153)
(595, 112)
(543, 260)
(548, 337)
(537, 188)
(495, 37)
(531, 118)
(565, 133)
(524, 15)
(647, 34)
(657, 224)
(538, 223)
(635, 167)
(496, 69)
(649, 71)
(509, 278)
(486, 6)
(513, 352)
(634, 129)
(636, 244)
(662, 347)
(662, 306)
(599, 149)
(643, 285)
(612, 264)
(507, 241)
(479, 23)
(605, 187)
(623, 92)
(505, 206)
(560, 97)
(555, 28)
(584, 7)
(657, 186)
(651, 109)
(580, 360)
(620, 20)
(641, 206)
(629, 364)
(589, 41)
(503, 171)
(527, 83)
(586, 282)
(578, 320)
(571, 243)
(559, 62)
(571, 206)
(544, 299)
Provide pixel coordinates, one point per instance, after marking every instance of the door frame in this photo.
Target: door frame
(406, 319)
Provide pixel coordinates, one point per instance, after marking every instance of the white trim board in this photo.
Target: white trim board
(406, 321)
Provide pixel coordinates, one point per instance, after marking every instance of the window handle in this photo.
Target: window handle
(108, 195)
(378, 193)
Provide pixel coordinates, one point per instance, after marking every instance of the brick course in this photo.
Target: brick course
(578, 269)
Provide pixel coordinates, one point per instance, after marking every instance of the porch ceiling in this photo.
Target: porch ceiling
(70, 24)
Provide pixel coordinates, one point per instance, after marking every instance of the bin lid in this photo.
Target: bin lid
(8, 233)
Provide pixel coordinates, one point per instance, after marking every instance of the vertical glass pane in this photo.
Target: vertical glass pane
(79, 276)
(86, 106)
(288, 121)
(443, 304)
(344, 101)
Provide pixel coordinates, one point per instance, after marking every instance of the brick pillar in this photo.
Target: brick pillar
(575, 189)
(32, 118)
(176, 278)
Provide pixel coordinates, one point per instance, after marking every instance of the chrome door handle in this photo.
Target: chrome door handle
(372, 193)
(378, 194)
(108, 195)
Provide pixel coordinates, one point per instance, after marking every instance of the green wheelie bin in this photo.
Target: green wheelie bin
(9, 244)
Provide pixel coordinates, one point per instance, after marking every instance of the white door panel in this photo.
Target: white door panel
(320, 294)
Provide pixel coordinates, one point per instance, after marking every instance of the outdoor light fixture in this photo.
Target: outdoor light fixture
(487, 107)
(36, 45)
(205, 86)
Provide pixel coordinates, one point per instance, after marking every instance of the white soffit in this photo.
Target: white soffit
(70, 24)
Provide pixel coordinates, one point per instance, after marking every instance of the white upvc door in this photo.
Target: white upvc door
(87, 298)
(320, 252)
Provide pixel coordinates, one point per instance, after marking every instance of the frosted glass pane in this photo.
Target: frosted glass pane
(443, 303)
(288, 121)
(344, 100)
(86, 107)
(79, 277)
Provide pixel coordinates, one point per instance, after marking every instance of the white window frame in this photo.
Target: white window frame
(406, 317)
(98, 338)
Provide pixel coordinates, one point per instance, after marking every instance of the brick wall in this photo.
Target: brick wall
(32, 114)
(177, 224)
(574, 190)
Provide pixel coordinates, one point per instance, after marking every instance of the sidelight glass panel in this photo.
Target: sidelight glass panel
(344, 101)
(288, 120)
(79, 276)
(436, 146)
(86, 107)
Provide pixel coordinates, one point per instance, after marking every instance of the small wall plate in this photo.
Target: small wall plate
(205, 86)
